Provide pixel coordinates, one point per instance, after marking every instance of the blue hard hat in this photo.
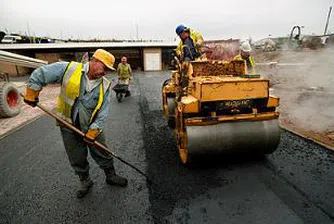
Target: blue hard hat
(180, 29)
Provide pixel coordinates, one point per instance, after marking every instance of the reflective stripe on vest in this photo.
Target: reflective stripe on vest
(70, 90)
(104, 86)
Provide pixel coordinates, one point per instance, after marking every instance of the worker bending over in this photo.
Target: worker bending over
(84, 102)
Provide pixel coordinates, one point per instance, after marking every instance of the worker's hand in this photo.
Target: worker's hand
(91, 135)
(31, 97)
(181, 57)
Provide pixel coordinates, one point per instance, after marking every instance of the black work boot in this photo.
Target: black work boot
(113, 179)
(127, 93)
(85, 184)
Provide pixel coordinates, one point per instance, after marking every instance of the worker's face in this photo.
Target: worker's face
(244, 54)
(184, 35)
(96, 69)
(124, 60)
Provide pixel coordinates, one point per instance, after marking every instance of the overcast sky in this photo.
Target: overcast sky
(154, 19)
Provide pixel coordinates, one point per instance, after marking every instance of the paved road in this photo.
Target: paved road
(293, 185)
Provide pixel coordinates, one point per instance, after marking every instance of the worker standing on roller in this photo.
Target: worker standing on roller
(84, 102)
(190, 46)
(245, 54)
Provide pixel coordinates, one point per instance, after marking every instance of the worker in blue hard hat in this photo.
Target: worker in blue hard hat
(190, 46)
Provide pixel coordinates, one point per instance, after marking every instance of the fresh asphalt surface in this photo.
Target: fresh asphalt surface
(293, 185)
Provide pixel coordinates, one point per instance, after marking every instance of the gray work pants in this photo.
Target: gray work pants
(77, 151)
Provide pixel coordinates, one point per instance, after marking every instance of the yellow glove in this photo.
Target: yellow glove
(91, 135)
(31, 97)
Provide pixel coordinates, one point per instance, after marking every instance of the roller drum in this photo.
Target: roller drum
(171, 106)
(171, 112)
(258, 137)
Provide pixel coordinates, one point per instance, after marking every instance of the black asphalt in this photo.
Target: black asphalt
(293, 185)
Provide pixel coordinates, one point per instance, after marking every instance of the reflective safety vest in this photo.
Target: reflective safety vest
(123, 71)
(70, 90)
(250, 68)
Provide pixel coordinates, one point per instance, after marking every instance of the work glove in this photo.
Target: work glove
(91, 135)
(31, 97)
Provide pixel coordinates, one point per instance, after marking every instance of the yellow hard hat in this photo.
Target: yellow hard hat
(105, 57)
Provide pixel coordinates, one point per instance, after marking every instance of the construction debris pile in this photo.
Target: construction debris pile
(217, 68)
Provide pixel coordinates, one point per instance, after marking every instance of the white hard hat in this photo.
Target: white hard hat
(245, 46)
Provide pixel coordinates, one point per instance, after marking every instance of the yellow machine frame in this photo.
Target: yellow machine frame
(212, 81)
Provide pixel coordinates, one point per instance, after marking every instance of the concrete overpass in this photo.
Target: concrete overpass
(147, 56)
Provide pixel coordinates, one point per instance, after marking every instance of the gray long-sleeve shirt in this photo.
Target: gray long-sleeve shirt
(87, 100)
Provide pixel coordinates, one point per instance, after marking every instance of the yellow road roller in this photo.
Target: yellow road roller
(217, 108)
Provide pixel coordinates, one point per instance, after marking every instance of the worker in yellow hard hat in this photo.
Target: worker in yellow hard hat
(84, 102)
(190, 46)
(245, 54)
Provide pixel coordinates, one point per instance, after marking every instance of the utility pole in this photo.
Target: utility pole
(28, 27)
(137, 31)
(61, 34)
(328, 17)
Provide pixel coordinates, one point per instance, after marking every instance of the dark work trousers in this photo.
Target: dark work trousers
(77, 151)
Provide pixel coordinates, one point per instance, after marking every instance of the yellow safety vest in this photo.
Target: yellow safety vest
(251, 60)
(70, 90)
(123, 71)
